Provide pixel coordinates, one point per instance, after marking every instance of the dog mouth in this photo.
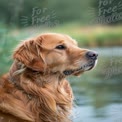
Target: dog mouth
(83, 68)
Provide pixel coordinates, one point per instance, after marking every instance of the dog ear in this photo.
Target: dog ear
(29, 53)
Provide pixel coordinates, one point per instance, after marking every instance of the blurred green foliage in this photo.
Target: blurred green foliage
(12, 11)
(6, 45)
(108, 8)
(65, 10)
(85, 12)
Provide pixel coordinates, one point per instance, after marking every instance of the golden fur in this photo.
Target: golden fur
(36, 89)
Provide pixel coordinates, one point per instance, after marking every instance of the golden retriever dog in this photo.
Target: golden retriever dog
(35, 89)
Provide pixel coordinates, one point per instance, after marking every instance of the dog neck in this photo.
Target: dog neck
(18, 69)
(52, 91)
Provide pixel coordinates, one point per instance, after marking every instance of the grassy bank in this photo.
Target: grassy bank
(93, 36)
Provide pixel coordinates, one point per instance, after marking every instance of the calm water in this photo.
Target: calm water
(98, 93)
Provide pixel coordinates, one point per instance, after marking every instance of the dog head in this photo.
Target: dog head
(54, 53)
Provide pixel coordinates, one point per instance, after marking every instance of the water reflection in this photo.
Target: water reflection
(98, 93)
(113, 113)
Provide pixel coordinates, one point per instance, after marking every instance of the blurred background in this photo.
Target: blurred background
(96, 25)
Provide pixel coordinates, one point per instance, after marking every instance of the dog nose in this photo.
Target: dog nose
(91, 55)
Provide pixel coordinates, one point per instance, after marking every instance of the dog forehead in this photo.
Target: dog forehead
(71, 40)
(55, 38)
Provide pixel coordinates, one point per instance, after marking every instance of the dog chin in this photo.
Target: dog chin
(78, 73)
(86, 69)
(82, 69)
(90, 66)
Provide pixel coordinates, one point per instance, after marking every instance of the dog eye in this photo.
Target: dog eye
(61, 47)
